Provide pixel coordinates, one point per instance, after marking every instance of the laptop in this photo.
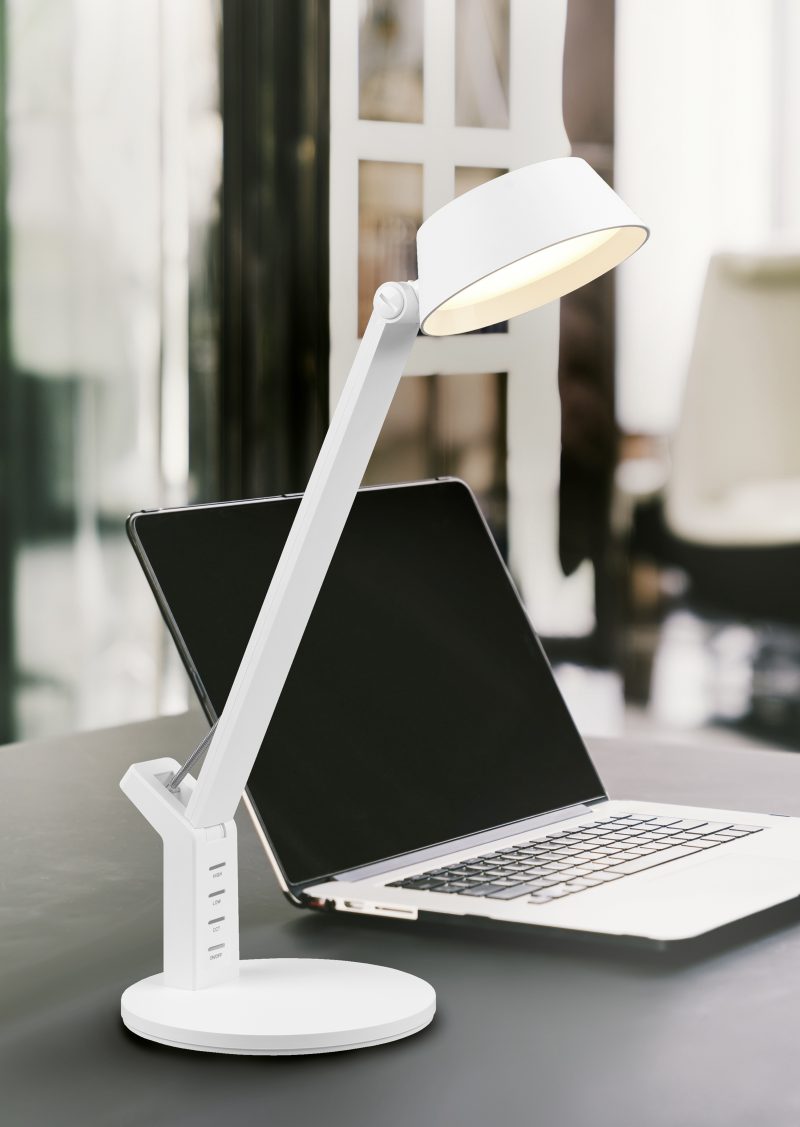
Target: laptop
(421, 761)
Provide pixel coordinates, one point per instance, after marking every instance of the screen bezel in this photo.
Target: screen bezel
(292, 888)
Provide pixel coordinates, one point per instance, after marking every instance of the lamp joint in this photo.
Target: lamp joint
(396, 302)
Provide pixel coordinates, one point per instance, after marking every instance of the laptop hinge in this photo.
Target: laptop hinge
(495, 834)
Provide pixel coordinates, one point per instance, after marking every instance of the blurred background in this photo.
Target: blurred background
(198, 199)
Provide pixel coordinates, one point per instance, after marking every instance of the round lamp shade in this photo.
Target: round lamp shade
(521, 240)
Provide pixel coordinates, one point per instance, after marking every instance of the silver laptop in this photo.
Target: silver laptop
(421, 761)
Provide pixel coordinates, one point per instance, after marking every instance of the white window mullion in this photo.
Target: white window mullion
(556, 603)
(537, 79)
(343, 204)
(439, 90)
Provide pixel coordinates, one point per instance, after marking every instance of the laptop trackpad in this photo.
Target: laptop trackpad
(696, 899)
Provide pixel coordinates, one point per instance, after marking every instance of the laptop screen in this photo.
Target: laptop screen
(420, 707)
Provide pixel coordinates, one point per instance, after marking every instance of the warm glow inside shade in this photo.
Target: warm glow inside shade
(533, 268)
(518, 242)
(534, 280)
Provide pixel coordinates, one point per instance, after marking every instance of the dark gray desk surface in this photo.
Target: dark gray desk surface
(528, 1032)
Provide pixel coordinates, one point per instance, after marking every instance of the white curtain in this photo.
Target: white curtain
(707, 150)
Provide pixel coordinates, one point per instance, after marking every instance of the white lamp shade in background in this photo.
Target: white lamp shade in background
(518, 242)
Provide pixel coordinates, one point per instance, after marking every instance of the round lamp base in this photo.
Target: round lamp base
(282, 1007)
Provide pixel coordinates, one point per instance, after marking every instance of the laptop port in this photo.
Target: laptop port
(393, 910)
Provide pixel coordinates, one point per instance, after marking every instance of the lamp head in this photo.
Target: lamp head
(519, 241)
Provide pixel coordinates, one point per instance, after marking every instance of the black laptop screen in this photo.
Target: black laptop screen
(420, 707)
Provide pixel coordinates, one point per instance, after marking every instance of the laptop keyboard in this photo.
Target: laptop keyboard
(563, 863)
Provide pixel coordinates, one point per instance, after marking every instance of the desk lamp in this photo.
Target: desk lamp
(502, 249)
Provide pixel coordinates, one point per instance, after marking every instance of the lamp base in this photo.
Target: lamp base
(283, 1007)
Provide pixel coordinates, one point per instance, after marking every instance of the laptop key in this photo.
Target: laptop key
(515, 892)
(660, 858)
(481, 889)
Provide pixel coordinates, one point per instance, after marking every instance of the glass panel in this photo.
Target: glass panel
(470, 435)
(467, 178)
(482, 63)
(389, 214)
(448, 425)
(390, 60)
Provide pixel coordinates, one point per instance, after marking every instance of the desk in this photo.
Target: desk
(528, 1031)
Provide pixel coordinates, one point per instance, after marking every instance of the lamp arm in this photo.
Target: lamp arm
(307, 555)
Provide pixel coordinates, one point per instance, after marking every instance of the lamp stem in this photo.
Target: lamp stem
(306, 557)
(201, 880)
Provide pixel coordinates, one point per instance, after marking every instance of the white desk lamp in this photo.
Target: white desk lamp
(504, 248)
